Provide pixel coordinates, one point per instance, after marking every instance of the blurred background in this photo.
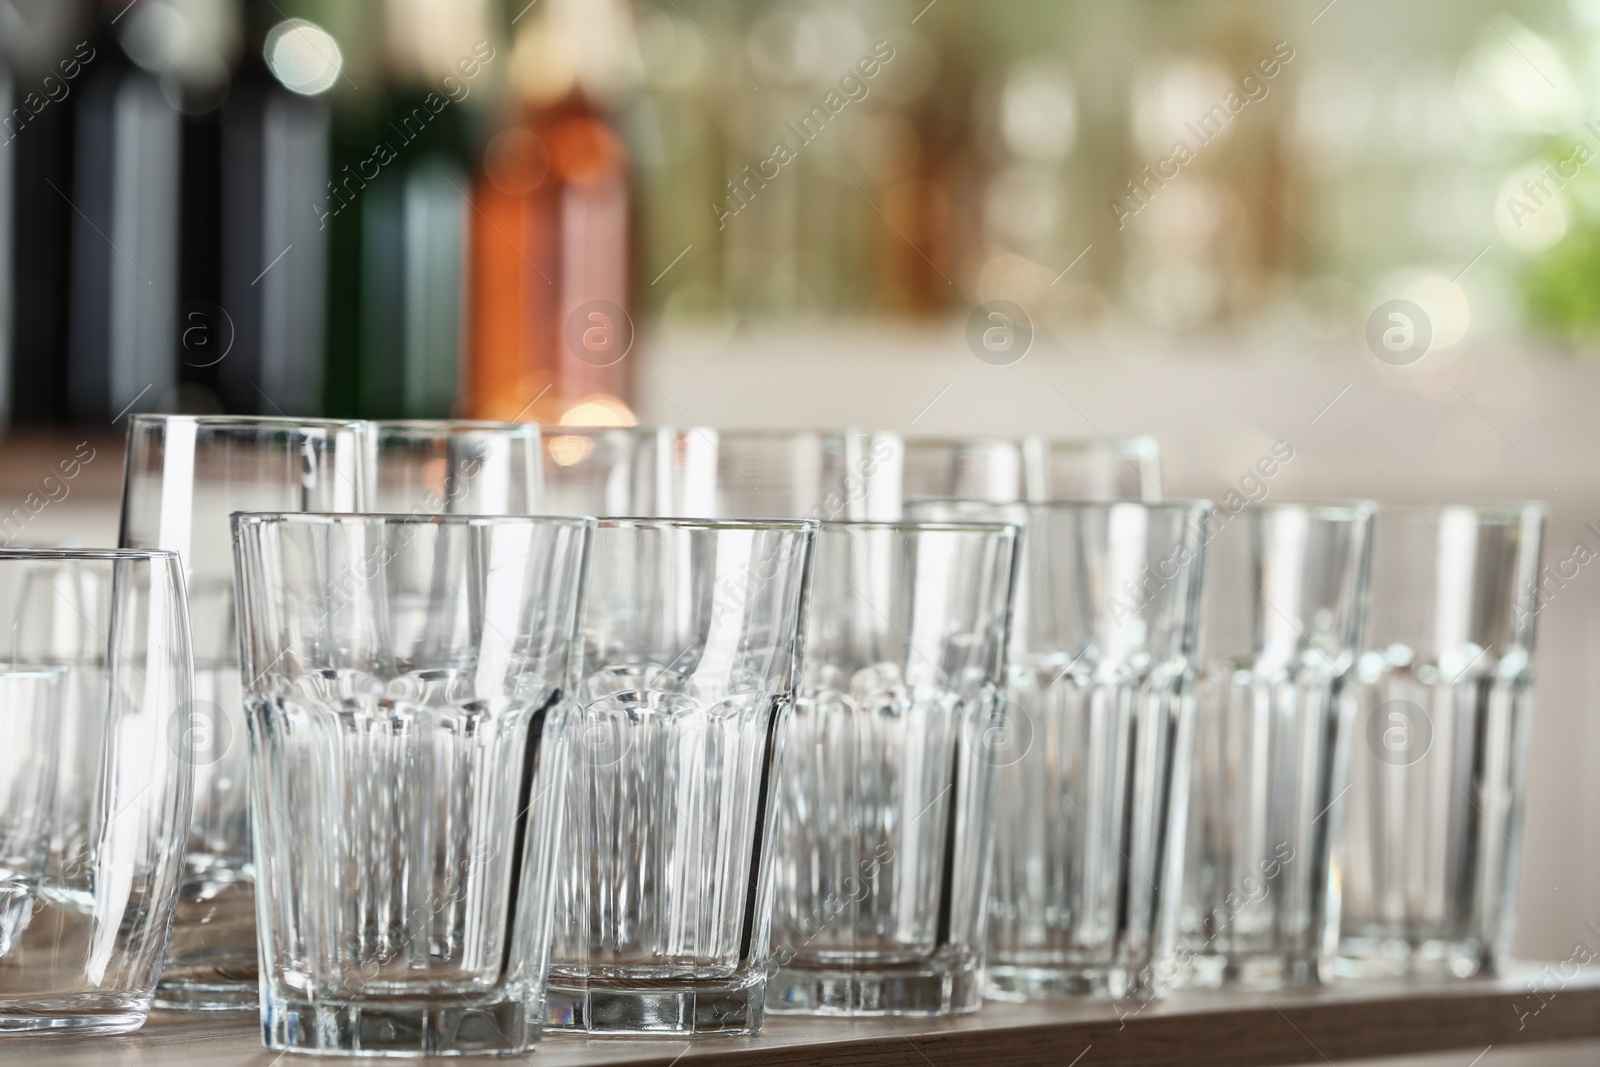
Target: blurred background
(1368, 229)
(397, 207)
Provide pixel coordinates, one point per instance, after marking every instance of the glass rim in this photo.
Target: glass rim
(638, 430)
(153, 418)
(983, 526)
(85, 555)
(1496, 514)
(385, 518)
(1145, 444)
(642, 522)
(1183, 504)
(771, 433)
(33, 670)
(454, 425)
(1317, 508)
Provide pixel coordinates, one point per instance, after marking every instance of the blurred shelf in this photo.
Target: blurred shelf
(1235, 1028)
(28, 456)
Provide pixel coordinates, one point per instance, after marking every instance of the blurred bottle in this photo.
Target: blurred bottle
(7, 169)
(122, 335)
(397, 204)
(264, 336)
(550, 250)
(46, 46)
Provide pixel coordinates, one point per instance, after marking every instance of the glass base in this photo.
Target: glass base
(211, 960)
(1049, 983)
(613, 1006)
(179, 993)
(1264, 971)
(1374, 957)
(60, 1016)
(803, 991)
(399, 1028)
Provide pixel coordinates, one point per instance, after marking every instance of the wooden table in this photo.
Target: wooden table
(1235, 1028)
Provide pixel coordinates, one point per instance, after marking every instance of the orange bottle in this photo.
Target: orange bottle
(549, 330)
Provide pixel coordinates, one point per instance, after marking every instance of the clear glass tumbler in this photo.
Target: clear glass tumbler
(1439, 755)
(1094, 761)
(61, 599)
(410, 684)
(844, 475)
(1285, 602)
(1005, 470)
(184, 476)
(609, 470)
(692, 659)
(886, 800)
(32, 706)
(453, 467)
(95, 784)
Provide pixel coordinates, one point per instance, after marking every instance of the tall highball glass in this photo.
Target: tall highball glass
(1094, 761)
(1284, 605)
(453, 467)
(609, 470)
(691, 663)
(96, 693)
(1032, 468)
(886, 801)
(1439, 756)
(410, 682)
(834, 475)
(184, 476)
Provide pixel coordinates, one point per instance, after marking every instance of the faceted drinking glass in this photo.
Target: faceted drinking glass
(184, 476)
(453, 467)
(1094, 761)
(1285, 601)
(1439, 754)
(410, 680)
(886, 800)
(95, 783)
(691, 661)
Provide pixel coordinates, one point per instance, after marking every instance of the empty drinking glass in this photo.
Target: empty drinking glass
(1439, 755)
(184, 476)
(409, 681)
(1284, 604)
(886, 799)
(94, 784)
(31, 713)
(609, 470)
(1033, 468)
(60, 599)
(1094, 760)
(784, 474)
(692, 660)
(453, 467)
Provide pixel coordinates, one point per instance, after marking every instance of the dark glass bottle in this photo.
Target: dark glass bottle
(396, 208)
(273, 151)
(122, 326)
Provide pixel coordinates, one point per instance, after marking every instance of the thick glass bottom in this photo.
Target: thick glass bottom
(206, 992)
(70, 1015)
(653, 1008)
(888, 991)
(399, 1028)
(1016, 983)
(1262, 970)
(211, 957)
(1377, 957)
